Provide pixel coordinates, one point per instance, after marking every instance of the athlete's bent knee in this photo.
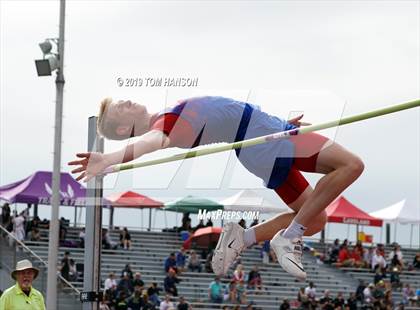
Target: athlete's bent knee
(355, 167)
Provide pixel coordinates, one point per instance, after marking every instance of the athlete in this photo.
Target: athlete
(204, 120)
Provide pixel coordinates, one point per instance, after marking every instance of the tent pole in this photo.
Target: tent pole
(150, 219)
(380, 236)
(348, 231)
(411, 235)
(142, 225)
(75, 216)
(111, 218)
(395, 232)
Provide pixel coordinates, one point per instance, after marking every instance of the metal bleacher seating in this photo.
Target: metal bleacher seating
(150, 249)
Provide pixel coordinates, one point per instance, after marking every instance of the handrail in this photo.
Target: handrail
(38, 258)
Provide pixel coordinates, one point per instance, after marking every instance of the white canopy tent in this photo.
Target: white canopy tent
(248, 200)
(399, 213)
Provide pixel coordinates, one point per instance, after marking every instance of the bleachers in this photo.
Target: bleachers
(150, 249)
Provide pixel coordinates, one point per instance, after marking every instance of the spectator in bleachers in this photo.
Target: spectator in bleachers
(333, 251)
(153, 293)
(125, 284)
(408, 295)
(326, 302)
(34, 223)
(34, 234)
(209, 223)
(103, 305)
(166, 304)
(310, 291)
(351, 303)
(254, 223)
(396, 254)
(265, 252)
(137, 281)
(254, 279)
(111, 295)
(125, 239)
(181, 259)
(242, 223)
(416, 261)
(231, 291)
(378, 292)
(367, 257)
(344, 258)
(339, 301)
(63, 229)
(395, 270)
(285, 305)
(303, 299)
(239, 274)
(107, 242)
(357, 258)
(19, 227)
(381, 248)
(170, 263)
(241, 292)
(182, 304)
(194, 262)
(110, 281)
(199, 225)
(170, 282)
(121, 303)
(82, 235)
(135, 301)
(127, 269)
(216, 291)
(379, 275)
(207, 265)
(147, 304)
(65, 266)
(73, 271)
(378, 260)
(387, 301)
(185, 222)
(359, 290)
(367, 294)
(5, 215)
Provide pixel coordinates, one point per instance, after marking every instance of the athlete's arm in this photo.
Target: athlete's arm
(149, 142)
(93, 163)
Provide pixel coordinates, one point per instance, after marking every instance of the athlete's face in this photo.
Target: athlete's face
(129, 114)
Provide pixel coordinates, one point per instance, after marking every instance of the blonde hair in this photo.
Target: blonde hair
(107, 127)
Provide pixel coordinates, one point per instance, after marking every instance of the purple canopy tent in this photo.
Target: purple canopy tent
(37, 189)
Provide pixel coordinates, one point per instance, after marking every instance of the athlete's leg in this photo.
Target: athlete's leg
(341, 169)
(267, 229)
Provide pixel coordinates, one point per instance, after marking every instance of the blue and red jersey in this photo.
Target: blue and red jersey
(206, 120)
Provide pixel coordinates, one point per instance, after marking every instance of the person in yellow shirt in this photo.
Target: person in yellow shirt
(22, 296)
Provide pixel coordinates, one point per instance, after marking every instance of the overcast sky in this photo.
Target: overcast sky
(324, 58)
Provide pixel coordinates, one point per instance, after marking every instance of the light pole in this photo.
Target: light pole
(45, 67)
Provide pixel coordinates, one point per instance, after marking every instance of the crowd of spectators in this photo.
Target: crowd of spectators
(131, 292)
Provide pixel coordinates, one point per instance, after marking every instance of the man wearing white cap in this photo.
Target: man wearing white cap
(22, 296)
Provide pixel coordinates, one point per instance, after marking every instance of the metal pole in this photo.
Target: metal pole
(55, 201)
(150, 219)
(93, 237)
(75, 216)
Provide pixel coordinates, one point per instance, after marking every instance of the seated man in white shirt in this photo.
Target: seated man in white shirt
(378, 260)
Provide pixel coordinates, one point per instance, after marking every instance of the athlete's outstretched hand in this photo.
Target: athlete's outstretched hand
(296, 121)
(91, 164)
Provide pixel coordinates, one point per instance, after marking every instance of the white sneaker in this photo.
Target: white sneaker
(289, 254)
(230, 245)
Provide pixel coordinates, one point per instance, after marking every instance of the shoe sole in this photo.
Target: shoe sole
(279, 260)
(224, 236)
